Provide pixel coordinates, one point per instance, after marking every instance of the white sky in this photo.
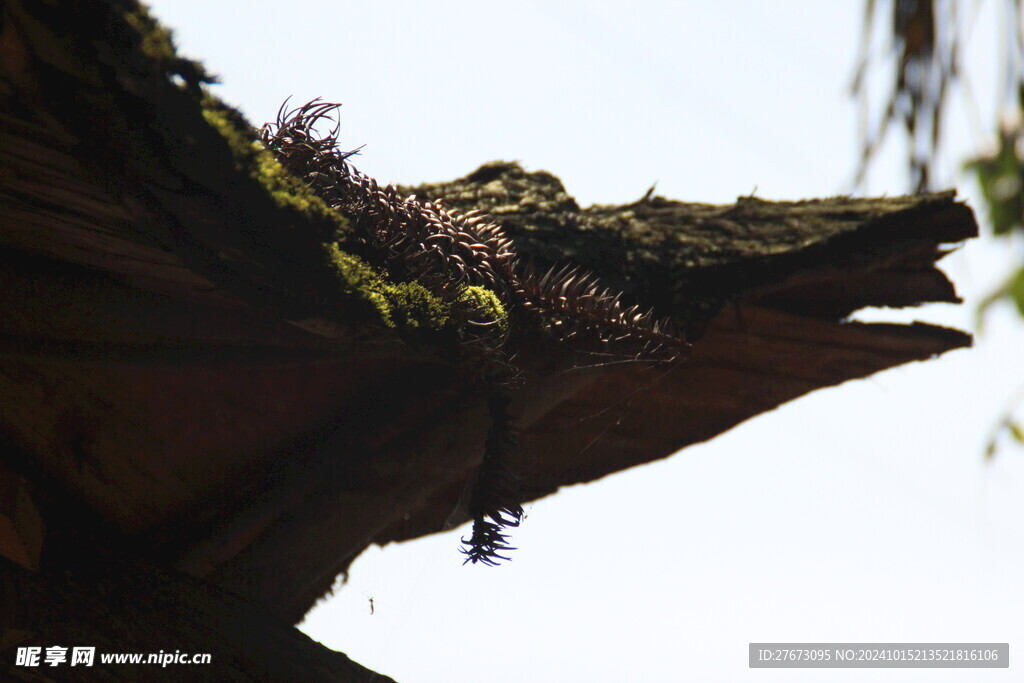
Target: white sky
(863, 513)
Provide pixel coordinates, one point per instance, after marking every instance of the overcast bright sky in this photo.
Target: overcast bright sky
(863, 513)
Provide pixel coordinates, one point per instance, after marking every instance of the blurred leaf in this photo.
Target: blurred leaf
(1017, 290)
(1016, 431)
(1002, 183)
(925, 41)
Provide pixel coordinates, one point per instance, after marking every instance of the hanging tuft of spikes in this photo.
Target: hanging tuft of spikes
(494, 504)
(446, 252)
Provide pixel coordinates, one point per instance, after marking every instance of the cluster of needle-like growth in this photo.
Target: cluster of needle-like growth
(449, 252)
(494, 504)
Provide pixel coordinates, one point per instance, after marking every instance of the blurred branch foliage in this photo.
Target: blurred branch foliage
(920, 46)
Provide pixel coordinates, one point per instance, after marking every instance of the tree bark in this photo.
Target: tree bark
(182, 375)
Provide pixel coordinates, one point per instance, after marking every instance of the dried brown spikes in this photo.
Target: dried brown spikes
(445, 251)
(578, 304)
(495, 500)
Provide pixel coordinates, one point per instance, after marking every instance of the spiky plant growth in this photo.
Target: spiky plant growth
(494, 504)
(464, 259)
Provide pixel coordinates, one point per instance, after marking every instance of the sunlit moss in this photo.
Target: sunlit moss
(251, 157)
(489, 303)
(398, 305)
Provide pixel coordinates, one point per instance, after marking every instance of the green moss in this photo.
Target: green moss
(251, 157)
(407, 307)
(156, 43)
(489, 303)
(356, 277)
(156, 40)
(414, 306)
(404, 305)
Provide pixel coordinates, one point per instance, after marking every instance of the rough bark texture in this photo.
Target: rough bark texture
(189, 376)
(690, 259)
(118, 602)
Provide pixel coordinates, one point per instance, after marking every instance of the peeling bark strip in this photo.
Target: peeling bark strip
(449, 252)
